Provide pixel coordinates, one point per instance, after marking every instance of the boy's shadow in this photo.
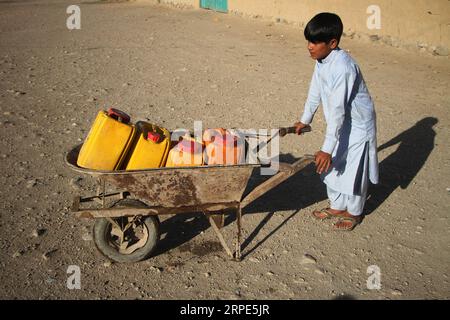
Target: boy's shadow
(305, 188)
(396, 170)
(400, 167)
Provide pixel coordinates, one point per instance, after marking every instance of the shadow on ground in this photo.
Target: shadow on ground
(305, 189)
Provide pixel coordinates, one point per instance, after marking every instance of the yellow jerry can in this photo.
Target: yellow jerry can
(108, 141)
(151, 147)
(188, 152)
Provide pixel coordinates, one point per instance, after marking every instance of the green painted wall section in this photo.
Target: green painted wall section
(217, 5)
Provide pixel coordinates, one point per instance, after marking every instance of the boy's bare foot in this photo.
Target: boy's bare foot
(347, 222)
(327, 213)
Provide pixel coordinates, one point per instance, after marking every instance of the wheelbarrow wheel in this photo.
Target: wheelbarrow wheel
(127, 239)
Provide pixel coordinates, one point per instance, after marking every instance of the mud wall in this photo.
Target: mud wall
(419, 24)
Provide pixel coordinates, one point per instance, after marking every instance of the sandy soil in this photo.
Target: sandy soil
(175, 66)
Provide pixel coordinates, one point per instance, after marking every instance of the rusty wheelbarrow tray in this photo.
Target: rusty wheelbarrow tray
(205, 189)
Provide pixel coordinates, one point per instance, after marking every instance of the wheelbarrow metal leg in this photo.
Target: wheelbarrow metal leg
(101, 190)
(239, 229)
(103, 195)
(219, 219)
(219, 234)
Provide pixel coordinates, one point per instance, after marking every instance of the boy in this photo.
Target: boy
(348, 157)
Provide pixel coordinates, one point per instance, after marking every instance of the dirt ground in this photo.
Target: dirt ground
(172, 67)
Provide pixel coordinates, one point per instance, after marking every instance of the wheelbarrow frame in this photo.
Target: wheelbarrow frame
(237, 201)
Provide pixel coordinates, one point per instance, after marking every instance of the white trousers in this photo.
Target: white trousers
(352, 203)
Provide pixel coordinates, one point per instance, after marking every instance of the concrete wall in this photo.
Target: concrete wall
(404, 23)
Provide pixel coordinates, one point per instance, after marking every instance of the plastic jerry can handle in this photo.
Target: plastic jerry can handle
(118, 115)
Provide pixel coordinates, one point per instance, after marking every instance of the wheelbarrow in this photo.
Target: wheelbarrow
(128, 231)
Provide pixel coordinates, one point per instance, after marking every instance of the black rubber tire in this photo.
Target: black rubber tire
(102, 228)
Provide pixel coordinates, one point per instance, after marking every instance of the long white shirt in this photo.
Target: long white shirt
(350, 136)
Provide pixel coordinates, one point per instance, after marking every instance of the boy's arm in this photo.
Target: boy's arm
(313, 100)
(339, 97)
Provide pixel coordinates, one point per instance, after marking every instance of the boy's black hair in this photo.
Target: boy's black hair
(323, 28)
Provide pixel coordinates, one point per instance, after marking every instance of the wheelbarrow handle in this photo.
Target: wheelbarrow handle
(285, 131)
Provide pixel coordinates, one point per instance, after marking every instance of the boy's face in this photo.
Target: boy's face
(321, 50)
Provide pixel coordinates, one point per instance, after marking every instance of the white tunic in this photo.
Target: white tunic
(350, 137)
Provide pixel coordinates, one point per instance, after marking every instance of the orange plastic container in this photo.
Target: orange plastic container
(187, 152)
(223, 148)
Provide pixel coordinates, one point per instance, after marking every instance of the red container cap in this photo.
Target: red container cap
(153, 136)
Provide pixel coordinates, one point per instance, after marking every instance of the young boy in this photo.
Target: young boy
(348, 157)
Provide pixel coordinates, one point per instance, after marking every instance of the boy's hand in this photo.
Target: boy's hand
(323, 161)
(299, 126)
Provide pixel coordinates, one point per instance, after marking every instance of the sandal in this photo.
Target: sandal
(324, 214)
(354, 221)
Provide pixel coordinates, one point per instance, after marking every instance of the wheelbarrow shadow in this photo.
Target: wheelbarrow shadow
(289, 195)
(305, 188)
(180, 229)
(299, 191)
